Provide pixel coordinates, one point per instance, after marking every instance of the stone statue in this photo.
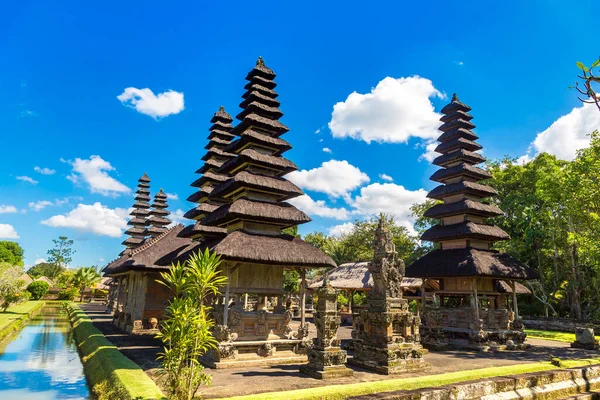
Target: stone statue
(387, 271)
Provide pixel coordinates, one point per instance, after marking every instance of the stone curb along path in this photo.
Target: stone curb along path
(110, 374)
(555, 384)
(18, 323)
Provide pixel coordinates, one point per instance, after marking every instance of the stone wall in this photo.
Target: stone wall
(559, 324)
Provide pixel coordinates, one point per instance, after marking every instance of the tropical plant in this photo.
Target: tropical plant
(68, 294)
(46, 269)
(85, 277)
(38, 289)
(186, 328)
(11, 285)
(65, 279)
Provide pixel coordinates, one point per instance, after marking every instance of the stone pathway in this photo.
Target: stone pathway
(232, 382)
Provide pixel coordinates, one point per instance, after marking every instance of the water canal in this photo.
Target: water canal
(41, 362)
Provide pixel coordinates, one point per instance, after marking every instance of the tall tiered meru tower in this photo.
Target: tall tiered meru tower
(470, 308)
(240, 215)
(139, 214)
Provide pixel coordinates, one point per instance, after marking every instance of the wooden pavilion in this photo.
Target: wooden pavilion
(470, 307)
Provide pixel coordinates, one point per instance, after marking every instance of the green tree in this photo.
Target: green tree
(11, 284)
(290, 281)
(61, 255)
(38, 289)
(49, 270)
(186, 327)
(65, 279)
(589, 83)
(84, 278)
(11, 253)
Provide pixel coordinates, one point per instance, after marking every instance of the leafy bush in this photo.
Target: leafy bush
(38, 289)
(68, 294)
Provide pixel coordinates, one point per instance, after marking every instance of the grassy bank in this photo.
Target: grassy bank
(336, 392)
(110, 374)
(552, 335)
(15, 317)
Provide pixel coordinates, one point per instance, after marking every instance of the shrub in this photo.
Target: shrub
(68, 294)
(38, 289)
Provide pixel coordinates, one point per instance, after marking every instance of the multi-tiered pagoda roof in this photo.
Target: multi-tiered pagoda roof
(464, 238)
(139, 214)
(158, 219)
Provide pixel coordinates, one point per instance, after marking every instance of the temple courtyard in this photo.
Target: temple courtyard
(261, 379)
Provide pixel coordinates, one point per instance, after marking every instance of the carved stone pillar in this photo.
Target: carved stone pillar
(326, 359)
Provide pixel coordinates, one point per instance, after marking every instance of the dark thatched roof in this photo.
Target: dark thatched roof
(504, 287)
(465, 206)
(356, 276)
(217, 143)
(249, 136)
(216, 152)
(203, 192)
(464, 230)
(137, 221)
(466, 187)
(255, 87)
(284, 188)
(270, 125)
(255, 95)
(465, 170)
(200, 230)
(284, 250)
(209, 164)
(280, 164)
(278, 213)
(209, 177)
(221, 115)
(457, 133)
(260, 109)
(458, 143)
(144, 178)
(221, 134)
(259, 80)
(455, 115)
(469, 262)
(454, 105)
(465, 156)
(455, 124)
(261, 70)
(200, 211)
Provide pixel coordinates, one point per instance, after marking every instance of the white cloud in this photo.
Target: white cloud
(341, 230)
(39, 260)
(95, 218)
(430, 153)
(172, 196)
(39, 205)
(94, 173)
(156, 106)
(459, 63)
(318, 131)
(327, 150)
(177, 218)
(27, 179)
(7, 209)
(318, 208)
(569, 133)
(335, 178)
(8, 232)
(386, 177)
(44, 171)
(394, 111)
(390, 199)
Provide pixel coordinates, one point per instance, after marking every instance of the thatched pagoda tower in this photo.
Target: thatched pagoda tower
(158, 219)
(470, 308)
(138, 222)
(245, 229)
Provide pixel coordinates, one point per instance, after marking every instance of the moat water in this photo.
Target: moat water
(41, 361)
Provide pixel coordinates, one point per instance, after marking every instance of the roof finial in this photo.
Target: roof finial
(260, 61)
(221, 108)
(454, 97)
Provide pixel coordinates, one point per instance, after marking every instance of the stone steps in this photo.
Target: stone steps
(583, 396)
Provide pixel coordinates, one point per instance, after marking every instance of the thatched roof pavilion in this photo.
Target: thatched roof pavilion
(356, 276)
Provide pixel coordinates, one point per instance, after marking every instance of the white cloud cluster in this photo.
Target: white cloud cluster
(95, 218)
(94, 173)
(335, 178)
(28, 179)
(386, 177)
(394, 111)
(172, 196)
(177, 217)
(569, 133)
(44, 171)
(39, 205)
(319, 208)
(327, 150)
(341, 230)
(8, 232)
(7, 209)
(156, 106)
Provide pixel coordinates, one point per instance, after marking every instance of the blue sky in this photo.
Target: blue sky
(64, 64)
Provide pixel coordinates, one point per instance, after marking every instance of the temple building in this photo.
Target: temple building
(470, 308)
(240, 216)
(158, 219)
(138, 222)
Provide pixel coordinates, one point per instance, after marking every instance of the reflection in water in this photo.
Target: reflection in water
(42, 361)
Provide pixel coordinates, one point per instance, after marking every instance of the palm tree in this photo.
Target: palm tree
(85, 277)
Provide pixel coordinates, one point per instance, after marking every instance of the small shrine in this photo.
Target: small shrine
(470, 307)
(386, 335)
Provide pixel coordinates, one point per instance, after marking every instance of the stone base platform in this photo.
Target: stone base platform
(390, 360)
(244, 354)
(338, 371)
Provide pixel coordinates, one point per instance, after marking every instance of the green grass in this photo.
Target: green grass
(110, 374)
(335, 392)
(552, 335)
(16, 316)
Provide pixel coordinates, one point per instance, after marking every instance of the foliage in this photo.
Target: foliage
(68, 294)
(17, 316)
(65, 279)
(590, 82)
(110, 374)
(61, 255)
(291, 281)
(11, 285)
(342, 300)
(186, 328)
(293, 230)
(45, 269)
(84, 278)
(552, 335)
(359, 298)
(38, 289)
(11, 252)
